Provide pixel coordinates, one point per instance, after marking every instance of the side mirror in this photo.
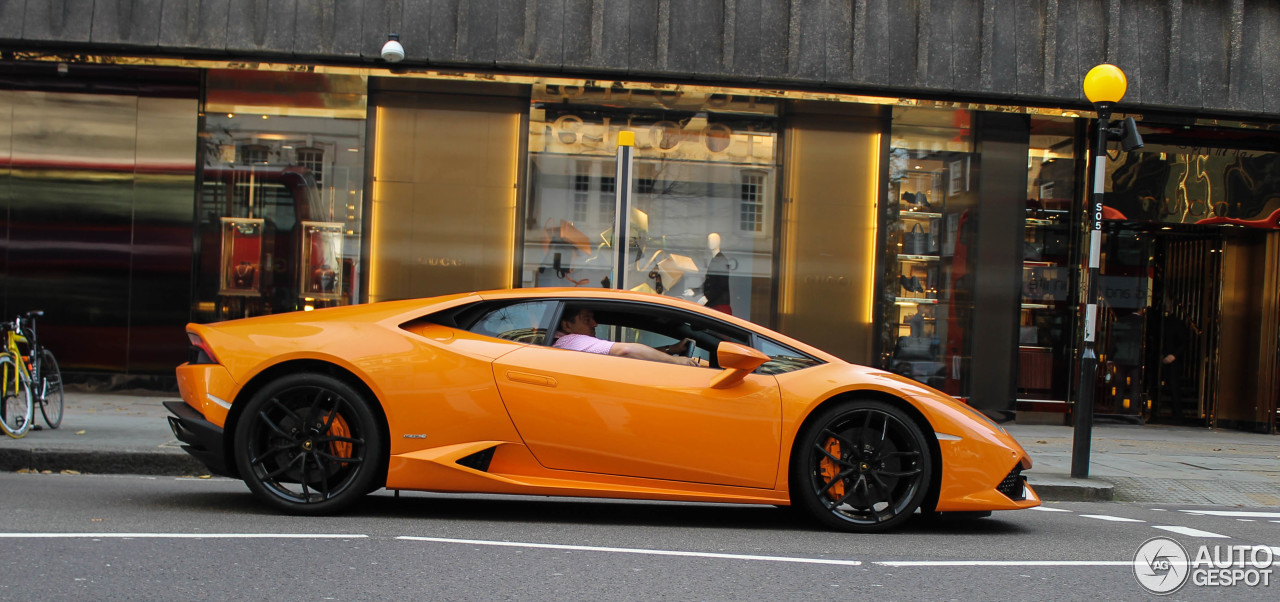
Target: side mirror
(737, 361)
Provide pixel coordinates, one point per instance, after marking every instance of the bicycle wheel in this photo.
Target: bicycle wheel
(15, 409)
(50, 389)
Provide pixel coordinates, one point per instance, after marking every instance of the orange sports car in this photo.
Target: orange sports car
(467, 393)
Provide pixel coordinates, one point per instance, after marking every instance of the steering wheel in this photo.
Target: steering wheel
(690, 348)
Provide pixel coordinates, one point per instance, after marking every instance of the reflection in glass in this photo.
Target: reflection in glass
(1202, 177)
(705, 184)
(280, 160)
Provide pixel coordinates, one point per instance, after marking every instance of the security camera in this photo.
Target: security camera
(392, 51)
(1130, 139)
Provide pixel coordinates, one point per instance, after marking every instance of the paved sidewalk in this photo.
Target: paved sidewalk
(127, 433)
(1163, 464)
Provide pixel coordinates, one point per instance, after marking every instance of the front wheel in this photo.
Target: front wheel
(15, 408)
(861, 466)
(308, 444)
(50, 389)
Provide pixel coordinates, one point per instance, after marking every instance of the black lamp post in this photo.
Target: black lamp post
(1104, 86)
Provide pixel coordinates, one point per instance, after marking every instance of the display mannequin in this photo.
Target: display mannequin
(715, 287)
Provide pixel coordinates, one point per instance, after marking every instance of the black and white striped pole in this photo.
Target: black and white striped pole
(622, 193)
(1104, 85)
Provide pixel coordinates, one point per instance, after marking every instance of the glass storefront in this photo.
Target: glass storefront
(279, 208)
(930, 214)
(1046, 316)
(703, 199)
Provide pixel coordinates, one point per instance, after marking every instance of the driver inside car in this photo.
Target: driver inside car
(577, 333)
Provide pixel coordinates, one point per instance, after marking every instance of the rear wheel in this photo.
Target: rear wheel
(50, 389)
(861, 466)
(308, 444)
(15, 409)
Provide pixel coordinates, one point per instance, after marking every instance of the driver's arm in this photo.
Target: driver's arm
(644, 352)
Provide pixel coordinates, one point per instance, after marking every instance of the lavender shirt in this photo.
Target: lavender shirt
(583, 342)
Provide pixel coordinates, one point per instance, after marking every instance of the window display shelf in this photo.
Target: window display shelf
(918, 215)
(914, 301)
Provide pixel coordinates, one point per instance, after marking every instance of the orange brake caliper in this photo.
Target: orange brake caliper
(830, 469)
(339, 428)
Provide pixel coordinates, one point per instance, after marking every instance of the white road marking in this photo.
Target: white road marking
(180, 536)
(1113, 518)
(1234, 513)
(548, 546)
(914, 563)
(1048, 509)
(1189, 532)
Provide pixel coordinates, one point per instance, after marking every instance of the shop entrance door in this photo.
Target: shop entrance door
(1184, 326)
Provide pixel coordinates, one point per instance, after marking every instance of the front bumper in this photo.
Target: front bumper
(202, 439)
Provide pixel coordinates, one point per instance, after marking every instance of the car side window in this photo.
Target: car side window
(782, 359)
(521, 322)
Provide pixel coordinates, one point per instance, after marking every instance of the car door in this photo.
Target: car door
(619, 416)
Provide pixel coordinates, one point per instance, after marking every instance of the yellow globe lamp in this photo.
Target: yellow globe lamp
(1105, 84)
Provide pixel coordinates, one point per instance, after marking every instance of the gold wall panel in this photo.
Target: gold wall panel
(444, 195)
(828, 274)
(1244, 342)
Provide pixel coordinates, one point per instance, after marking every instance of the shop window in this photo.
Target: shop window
(697, 227)
(932, 217)
(1045, 323)
(263, 155)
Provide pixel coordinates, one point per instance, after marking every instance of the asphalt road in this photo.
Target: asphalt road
(151, 538)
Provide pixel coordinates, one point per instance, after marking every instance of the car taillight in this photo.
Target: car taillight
(199, 352)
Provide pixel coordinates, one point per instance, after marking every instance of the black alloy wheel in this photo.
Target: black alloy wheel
(308, 444)
(861, 466)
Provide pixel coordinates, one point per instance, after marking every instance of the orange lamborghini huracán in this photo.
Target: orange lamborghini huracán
(467, 393)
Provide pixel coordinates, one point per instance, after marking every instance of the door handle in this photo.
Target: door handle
(530, 379)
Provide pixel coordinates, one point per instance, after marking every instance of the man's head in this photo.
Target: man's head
(578, 320)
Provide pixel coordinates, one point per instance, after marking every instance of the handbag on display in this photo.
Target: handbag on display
(915, 241)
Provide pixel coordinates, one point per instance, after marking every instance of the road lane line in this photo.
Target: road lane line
(1113, 518)
(923, 563)
(1234, 513)
(1189, 532)
(550, 546)
(181, 536)
(1048, 509)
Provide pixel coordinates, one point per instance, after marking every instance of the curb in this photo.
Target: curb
(99, 462)
(1066, 489)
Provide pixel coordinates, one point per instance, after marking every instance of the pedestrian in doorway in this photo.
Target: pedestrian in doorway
(1175, 339)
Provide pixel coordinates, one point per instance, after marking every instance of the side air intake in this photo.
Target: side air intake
(479, 460)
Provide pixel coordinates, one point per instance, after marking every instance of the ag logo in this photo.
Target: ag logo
(1161, 565)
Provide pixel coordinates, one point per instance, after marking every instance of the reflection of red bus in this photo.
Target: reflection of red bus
(283, 198)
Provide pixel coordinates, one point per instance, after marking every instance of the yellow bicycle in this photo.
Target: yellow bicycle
(28, 380)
